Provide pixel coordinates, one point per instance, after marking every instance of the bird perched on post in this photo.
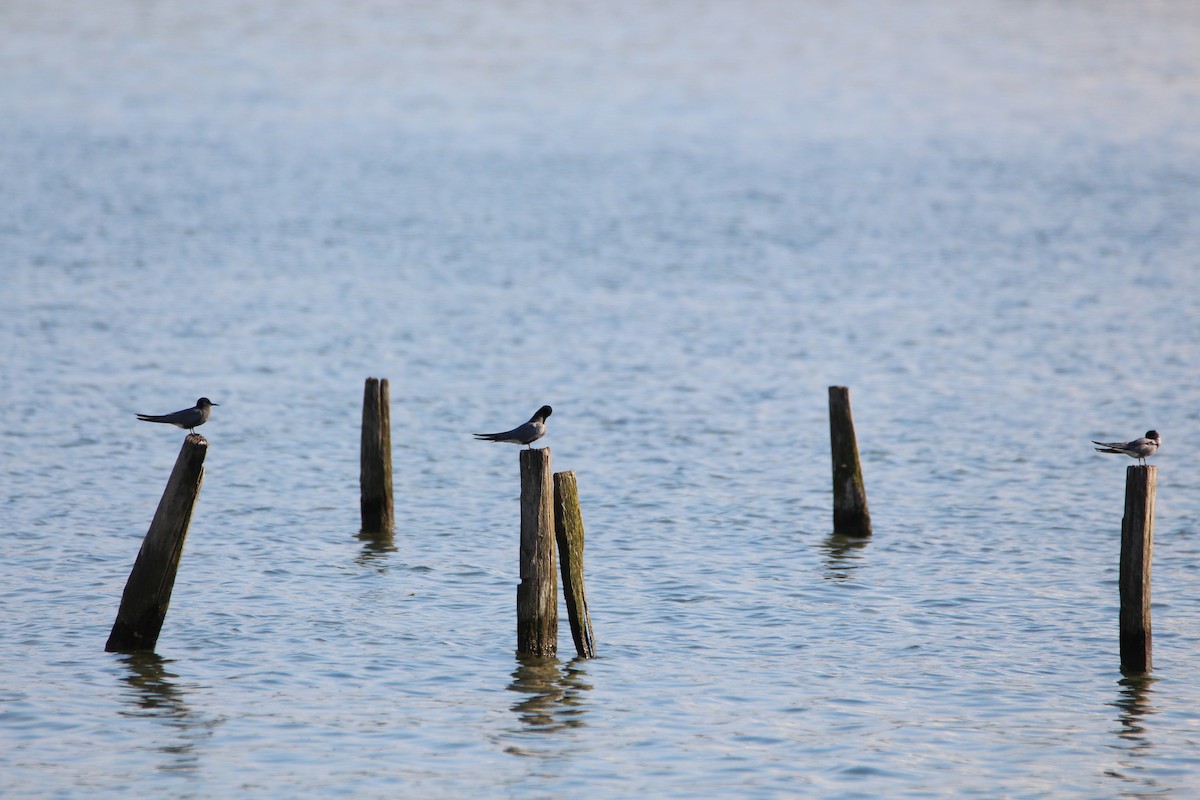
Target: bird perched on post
(1141, 449)
(524, 434)
(190, 418)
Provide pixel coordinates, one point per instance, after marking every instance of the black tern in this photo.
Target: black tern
(525, 434)
(190, 418)
(1141, 449)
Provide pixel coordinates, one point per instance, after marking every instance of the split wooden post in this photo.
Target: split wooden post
(1137, 552)
(537, 594)
(568, 530)
(850, 515)
(148, 590)
(375, 460)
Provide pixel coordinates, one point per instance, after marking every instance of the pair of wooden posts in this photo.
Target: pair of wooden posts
(549, 513)
(851, 518)
(147, 593)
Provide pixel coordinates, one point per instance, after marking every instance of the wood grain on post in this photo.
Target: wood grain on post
(148, 591)
(1137, 552)
(850, 515)
(568, 530)
(537, 594)
(375, 460)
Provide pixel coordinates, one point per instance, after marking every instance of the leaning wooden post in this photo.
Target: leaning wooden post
(568, 530)
(850, 515)
(537, 594)
(1137, 551)
(148, 590)
(375, 460)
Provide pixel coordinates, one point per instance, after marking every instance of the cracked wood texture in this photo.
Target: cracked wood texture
(1137, 552)
(850, 515)
(148, 591)
(568, 530)
(537, 594)
(375, 459)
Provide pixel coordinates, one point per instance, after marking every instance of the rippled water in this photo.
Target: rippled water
(678, 225)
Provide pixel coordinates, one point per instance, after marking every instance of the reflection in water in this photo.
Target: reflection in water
(376, 548)
(1134, 704)
(552, 696)
(156, 695)
(154, 692)
(841, 555)
(1136, 749)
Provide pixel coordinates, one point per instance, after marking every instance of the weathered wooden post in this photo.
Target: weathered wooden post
(375, 460)
(1137, 552)
(148, 591)
(568, 530)
(850, 515)
(537, 594)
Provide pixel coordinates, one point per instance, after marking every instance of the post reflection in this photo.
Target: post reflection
(154, 691)
(842, 555)
(376, 549)
(156, 694)
(552, 694)
(1133, 706)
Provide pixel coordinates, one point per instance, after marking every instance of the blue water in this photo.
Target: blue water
(678, 224)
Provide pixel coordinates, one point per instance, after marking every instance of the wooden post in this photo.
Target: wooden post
(1137, 551)
(375, 461)
(537, 594)
(148, 590)
(850, 515)
(568, 530)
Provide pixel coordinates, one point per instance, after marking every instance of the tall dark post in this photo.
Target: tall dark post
(148, 591)
(850, 515)
(375, 460)
(537, 594)
(1137, 552)
(568, 529)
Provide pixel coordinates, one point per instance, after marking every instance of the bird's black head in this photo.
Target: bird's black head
(204, 402)
(544, 412)
(1153, 435)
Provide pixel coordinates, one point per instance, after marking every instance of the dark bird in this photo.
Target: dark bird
(1141, 449)
(525, 434)
(190, 418)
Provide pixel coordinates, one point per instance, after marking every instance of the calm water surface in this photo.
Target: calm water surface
(677, 224)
